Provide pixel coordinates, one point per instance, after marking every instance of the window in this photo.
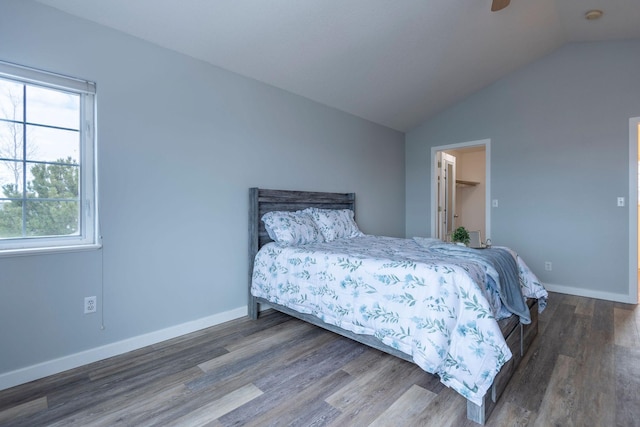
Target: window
(47, 161)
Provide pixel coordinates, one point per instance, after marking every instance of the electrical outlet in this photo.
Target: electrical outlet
(90, 304)
(548, 266)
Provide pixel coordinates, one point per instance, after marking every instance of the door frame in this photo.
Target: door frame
(634, 140)
(434, 177)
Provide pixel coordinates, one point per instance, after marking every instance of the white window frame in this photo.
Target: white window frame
(88, 233)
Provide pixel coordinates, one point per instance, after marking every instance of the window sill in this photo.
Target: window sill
(51, 250)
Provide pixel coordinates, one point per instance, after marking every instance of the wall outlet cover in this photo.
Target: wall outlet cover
(90, 304)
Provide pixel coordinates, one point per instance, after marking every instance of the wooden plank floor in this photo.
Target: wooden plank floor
(583, 370)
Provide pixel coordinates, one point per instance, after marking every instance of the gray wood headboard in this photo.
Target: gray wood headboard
(262, 201)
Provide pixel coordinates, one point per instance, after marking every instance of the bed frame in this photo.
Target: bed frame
(261, 201)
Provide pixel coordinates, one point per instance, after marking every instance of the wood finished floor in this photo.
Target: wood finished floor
(583, 370)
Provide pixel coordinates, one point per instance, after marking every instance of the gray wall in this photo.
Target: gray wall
(180, 143)
(559, 131)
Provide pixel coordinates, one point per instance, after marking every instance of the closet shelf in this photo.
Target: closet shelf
(463, 183)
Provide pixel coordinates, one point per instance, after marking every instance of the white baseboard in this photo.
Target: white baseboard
(55, 366)
(50, 367)
(581, 292)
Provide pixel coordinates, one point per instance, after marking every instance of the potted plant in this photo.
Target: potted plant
(461, 235)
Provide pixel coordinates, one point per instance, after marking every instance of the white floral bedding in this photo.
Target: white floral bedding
(436, 310)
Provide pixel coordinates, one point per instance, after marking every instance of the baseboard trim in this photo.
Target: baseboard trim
(581, 292)
(55, 366)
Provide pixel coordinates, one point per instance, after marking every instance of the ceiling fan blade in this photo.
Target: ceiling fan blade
(499, 5)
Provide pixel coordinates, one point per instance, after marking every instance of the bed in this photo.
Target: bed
(406, 297)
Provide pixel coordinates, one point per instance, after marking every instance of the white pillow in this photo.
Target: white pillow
(335, 223)
(292, 228)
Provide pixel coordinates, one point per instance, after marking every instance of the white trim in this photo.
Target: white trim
(634, 124)
(487, 201)
(49, 250)
(589, 293)
(50, 367)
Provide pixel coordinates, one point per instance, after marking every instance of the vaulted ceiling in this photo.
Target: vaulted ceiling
(395, 63)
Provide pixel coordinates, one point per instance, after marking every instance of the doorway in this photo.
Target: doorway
(634, 208)
(460, 188)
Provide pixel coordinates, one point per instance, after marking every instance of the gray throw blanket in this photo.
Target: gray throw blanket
(507, 280)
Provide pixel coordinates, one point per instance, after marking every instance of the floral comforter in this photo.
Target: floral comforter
(440, 311)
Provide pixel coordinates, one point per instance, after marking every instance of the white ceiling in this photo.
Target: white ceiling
(392, 62)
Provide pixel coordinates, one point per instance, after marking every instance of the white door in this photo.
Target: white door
(446, 185)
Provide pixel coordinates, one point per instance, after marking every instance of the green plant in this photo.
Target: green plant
(461, 235)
